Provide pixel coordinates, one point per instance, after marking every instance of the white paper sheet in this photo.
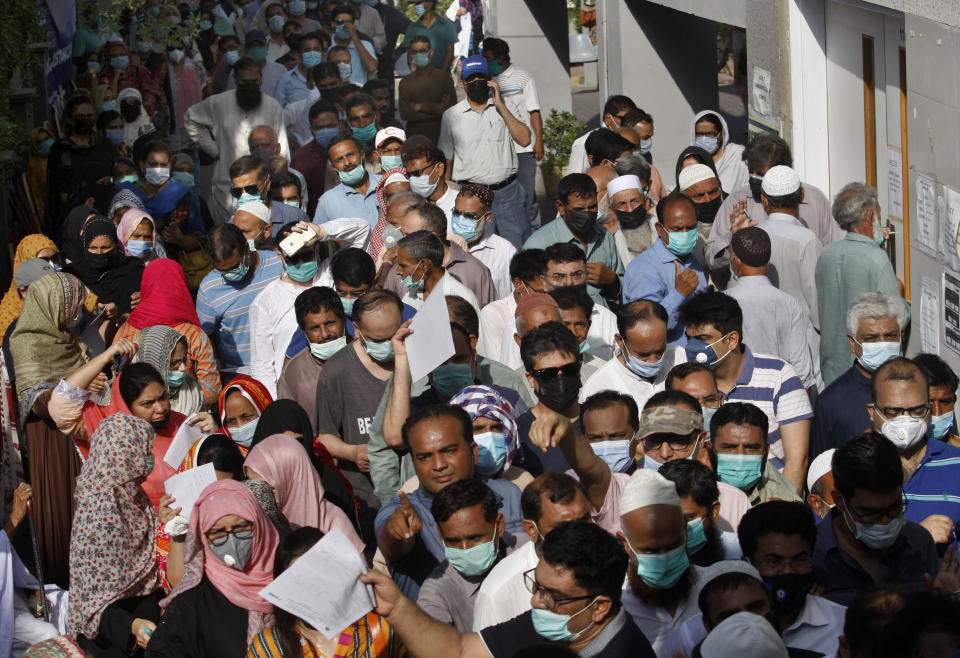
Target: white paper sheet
(761, 90)
(951, 227)
(186, 487)
(431, 342)
(926, 218)
(895, 183)
(185, 437)
(322, 587)
(951, 311)
(929, 315)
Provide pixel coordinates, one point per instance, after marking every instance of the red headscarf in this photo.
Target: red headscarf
(250, 388)
(242, 588)
(164, 298)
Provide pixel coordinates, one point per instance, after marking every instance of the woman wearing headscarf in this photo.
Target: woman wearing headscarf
(124, 200)
(136, 121)
(165, 300)
(383, 238)
(114, 584)
(216, 609)
(120, 73)
(241, 402)
(166, 350)
(287, 417)
(111, 275)
(495, 432)
(710, 132)
(70, 231)
(282, 463)
(137, 235)
(371, 636)
(35, 245)
(44, 350)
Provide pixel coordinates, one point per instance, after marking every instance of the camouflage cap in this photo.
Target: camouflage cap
(669, 420)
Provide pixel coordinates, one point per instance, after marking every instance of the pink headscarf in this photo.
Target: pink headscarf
(129, 223)
(283, 462)
(242, 588)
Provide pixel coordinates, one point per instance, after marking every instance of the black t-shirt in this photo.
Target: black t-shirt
(504, 640)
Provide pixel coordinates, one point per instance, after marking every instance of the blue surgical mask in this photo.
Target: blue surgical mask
(95, 66)
(243, 435)
(311, 58)
(707, 416)
(205, 25)
(252, 244)
(381, 350)
(662, 570)
(420, 60)
(465, 228)
(238, 273)
(345, 69)
(703, 353)
(708, 144)
(646, 145)
(876, 354)
(292, 204)
(157, 175)
(449, 378)
(473, 561)
(298, 7)
(120, 62)
(324, 136)
(552, 625)
(341, 33)
(139, 248)
(421, 185)
(348, 303)
(365, 134)
(388, 162)
(132, 178)
(616, 454)
(696, 536)
(419, 9)
(275, 23)
(940, 425)
(682, 243)
(875, 535)
(108, 106)
(491, 451)
(231, 57)
(651, 464)
(324, 351)
(185, 178)
(413, 286)
(645, 369)
(175, 379)
(44, 147)
(258, 54)
(740, 471)
(247, 198)
(352, 176)
(584, 346)
(302, 272)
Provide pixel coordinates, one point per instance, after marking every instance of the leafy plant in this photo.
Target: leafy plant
(559, 132)
(25, 21)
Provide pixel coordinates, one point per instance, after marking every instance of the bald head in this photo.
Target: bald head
(262, 138)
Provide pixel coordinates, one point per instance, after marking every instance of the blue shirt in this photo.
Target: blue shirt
(345, 201)
(291, 87)
(841, 412)
(410, 572)
(358, 74)
(223, 308)
(652, 275)
(934, 488)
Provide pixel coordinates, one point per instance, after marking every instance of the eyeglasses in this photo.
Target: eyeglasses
(550, 599)
(237, 192)
(342, 21)
(775, 563)
(920, 411)
(549, 374)
(675, 441)
(472, 216)
(219, 537)
(872, 516)
(351, 294)
(421, 172)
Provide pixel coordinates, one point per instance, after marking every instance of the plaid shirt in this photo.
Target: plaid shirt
(475, 7)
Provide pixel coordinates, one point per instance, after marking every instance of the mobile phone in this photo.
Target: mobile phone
(295, 242)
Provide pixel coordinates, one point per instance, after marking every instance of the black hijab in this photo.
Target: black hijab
(117, 277)
(70, 243)
(287, 416)
(701, 156)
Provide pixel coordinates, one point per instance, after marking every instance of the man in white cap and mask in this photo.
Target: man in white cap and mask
(820, 484)
(662, 585)
(699, 183)
(629, 208)
(794, 249)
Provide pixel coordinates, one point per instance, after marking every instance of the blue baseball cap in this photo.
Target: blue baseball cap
(473, 65)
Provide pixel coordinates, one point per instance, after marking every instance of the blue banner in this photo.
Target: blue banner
(62, 21)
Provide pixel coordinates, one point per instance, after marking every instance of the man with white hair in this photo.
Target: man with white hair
(662, 585)
(848, 268)
(629, 207)
(699, 182)
(874, 332)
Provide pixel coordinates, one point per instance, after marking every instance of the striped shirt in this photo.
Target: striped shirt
(223, 308)
(772, 385)
(934, 488)
(519, 92)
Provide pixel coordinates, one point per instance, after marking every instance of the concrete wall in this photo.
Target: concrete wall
(731, 12)
(665, 60)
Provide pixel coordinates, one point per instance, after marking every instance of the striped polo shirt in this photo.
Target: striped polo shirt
(223, 308)
(772, 385)
(934, 488)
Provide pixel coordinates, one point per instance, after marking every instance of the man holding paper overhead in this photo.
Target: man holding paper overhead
(575, 591)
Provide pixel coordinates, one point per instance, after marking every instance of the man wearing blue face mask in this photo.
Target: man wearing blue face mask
(293, 86)
(868, 529)
(356, 195)
(662, 585)
(471, 215)
(311, 158)
(346, 34)
(472, 529)
(942, 381)
(667, 273)
(875, 325)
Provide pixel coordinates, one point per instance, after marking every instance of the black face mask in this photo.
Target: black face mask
(249, 96)
(159, 424)
(559, 393)
(478, 91)
(101, 262)
(756, 188)
(83, 126)
(707, 210)
(787, 591)
(129, 112)
(581, 222)
(632, 219)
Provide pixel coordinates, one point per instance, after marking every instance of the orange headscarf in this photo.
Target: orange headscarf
(29, 247)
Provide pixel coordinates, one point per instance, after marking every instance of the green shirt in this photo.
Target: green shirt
(845, 270)
(442, 33)
(600, 249)
(772, 485)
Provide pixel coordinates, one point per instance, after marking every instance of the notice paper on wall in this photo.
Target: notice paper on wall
(929, 315)
(894, 183)
(951, 311)
(951, 228)
(926, 217)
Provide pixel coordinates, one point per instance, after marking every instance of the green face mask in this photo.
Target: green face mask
(494, 67)
(420, 60)
(475, 560)
(682, 242)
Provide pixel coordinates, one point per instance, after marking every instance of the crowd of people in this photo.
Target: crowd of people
(678, 419)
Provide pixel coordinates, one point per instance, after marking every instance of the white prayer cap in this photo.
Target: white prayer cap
(694, 174)
(780, 181)
(819, 467)
(395, 177)
(647, 487)
(621, 183)
(129, 92)
(743, 634)
(257, 209)
(727, 566)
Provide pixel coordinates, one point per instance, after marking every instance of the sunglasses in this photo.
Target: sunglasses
(237, 192)
(548, 374)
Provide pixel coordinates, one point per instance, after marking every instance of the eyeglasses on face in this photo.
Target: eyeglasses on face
(548, 374)
(237, 192)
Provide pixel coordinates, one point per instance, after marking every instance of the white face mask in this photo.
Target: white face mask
(904, 431)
